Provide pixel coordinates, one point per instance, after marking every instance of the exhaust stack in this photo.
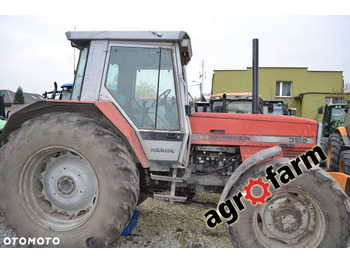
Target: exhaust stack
(255, 93)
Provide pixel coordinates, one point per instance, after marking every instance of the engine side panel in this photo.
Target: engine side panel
(253, 133)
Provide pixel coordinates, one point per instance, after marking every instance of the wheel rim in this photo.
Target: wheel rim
(289, 219)
(341, 164)
(329, 153)
(59, 187)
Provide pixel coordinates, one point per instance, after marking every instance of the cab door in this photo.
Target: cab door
(142, 82)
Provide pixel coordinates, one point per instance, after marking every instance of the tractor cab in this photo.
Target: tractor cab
(234, 103)
(143, 74)
(333, 117)
(276, 107)
(64, 94)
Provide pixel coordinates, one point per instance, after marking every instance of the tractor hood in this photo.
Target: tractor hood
(254, 132)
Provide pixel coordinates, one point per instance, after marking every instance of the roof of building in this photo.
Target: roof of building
(282, 68)
(28, 97)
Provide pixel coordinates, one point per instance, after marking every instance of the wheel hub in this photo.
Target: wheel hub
(66, 185)
(69, 184)
(287, 218)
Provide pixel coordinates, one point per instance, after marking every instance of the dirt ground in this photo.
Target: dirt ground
(163, 224)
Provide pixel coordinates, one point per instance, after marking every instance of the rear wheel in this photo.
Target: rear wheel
(309, 211)
(324, 146)
(344, 165)
(333, 152)
(68, 177)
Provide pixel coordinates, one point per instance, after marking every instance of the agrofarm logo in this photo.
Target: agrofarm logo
(287, 173)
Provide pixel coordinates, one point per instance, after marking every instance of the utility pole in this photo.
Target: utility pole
(202, 75)
(255, 100)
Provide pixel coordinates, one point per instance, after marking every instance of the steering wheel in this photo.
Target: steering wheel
(165, 94)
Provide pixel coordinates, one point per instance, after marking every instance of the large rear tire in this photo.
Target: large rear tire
(309, 211)
(66, 176)
(344, 165)
(324, 146)
(333, 153)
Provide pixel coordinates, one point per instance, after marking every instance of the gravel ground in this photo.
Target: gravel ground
(169, 225)
(7, 233)
(163, 224)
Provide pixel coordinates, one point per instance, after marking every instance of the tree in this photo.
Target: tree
(347, 88)
(19, 97)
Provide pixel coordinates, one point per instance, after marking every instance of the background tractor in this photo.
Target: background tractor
(234, 103)
(76, 170)
(64, 94)
(339, 142)
(333, 117)
(278, 107)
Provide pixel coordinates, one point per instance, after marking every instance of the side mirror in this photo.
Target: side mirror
(292, 111)
(346, 108)
(320, 110)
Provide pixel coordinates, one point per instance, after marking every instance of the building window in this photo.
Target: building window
(334, 100)
(284, 89)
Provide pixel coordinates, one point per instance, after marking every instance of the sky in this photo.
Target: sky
(34, 51)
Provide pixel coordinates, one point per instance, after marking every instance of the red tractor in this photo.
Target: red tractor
(75, 170)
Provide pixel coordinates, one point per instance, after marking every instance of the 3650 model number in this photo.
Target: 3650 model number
(298, 140)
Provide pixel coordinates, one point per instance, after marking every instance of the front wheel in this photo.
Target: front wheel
(309, 211)
(66, 176)
(344, 165)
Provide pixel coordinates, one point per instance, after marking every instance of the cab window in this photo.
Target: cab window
(141, 80)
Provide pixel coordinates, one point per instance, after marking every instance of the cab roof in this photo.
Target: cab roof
(81, 38)
(233, 96)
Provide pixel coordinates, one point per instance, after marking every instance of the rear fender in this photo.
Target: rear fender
(344, 133)
(104, 112)
(343, 180)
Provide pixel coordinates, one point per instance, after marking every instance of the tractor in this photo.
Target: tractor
(277, 107)
(336, 127)
(64, 94)
(234, 103)
(333, 117)
(75, 170)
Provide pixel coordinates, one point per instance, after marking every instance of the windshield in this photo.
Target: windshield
(142, 81)
(338, 114)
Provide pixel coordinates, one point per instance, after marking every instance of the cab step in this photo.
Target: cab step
(170, 198)
(173, 179)
(167, 178)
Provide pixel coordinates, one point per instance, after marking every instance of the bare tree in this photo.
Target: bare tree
(347, 88)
